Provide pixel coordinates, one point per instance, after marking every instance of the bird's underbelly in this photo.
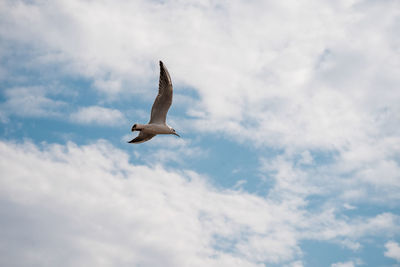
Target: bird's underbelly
(156, 129)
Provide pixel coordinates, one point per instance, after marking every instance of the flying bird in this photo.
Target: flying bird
(157, 123)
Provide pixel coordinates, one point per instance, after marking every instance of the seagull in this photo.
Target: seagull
(157, 123)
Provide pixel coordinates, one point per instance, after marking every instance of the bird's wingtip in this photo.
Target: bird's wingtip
(161, 63)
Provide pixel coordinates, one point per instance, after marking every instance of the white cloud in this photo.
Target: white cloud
(108, 86)
(92, 200)
(367, 173)
(295, 264)
(349, 207)
(70, 205)
(343, 264)
(32, 101)
(98, 115)
(392, 250)
(174, 149)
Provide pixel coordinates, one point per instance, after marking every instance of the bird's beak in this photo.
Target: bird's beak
(177, 134)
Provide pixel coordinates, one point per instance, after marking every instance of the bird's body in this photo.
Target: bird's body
(157, 123)
(153, 128)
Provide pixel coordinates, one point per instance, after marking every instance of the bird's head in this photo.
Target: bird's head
(174, 132)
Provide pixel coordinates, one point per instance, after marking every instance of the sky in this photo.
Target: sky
(289, 119)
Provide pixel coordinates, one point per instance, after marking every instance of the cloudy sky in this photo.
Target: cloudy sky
(290, 121)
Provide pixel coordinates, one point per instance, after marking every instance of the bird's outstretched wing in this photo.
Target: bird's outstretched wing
(141, 138)
(164, 98)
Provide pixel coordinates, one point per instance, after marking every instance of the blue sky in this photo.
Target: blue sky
(290, 126)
